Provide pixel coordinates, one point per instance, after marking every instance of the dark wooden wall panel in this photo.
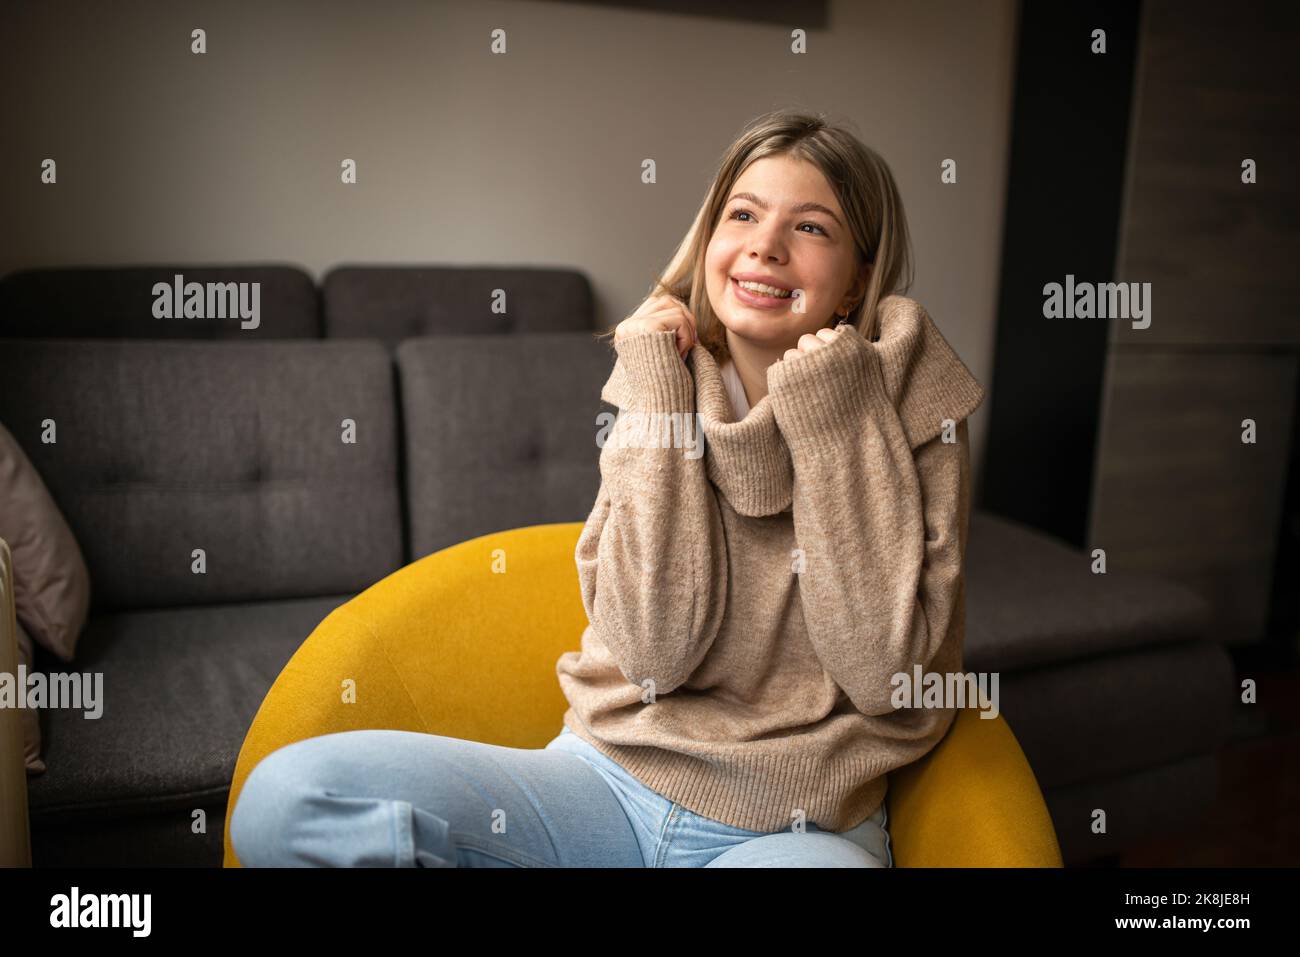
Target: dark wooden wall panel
(1180, 495)
(1217, 84)
(1175, 491)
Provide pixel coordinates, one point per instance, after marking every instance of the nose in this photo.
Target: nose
(766, 242)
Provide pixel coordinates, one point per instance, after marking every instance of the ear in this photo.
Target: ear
(858, 291)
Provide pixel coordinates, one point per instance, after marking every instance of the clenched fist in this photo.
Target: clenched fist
(661, 314)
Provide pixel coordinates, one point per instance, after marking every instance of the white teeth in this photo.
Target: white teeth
(765, 290)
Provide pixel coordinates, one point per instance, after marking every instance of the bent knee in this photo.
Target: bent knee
(270, 804)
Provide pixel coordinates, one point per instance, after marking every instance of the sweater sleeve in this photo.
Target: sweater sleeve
(882, 526)
(648, 553)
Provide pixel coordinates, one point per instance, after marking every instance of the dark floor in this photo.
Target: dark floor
(1257, 815)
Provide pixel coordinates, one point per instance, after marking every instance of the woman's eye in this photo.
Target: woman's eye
(745, 212)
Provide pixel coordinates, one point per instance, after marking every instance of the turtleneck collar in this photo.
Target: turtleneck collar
(749, 462)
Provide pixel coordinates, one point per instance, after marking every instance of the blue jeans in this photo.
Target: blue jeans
(383, 798)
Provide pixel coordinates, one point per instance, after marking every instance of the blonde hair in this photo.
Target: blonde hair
(867, 194)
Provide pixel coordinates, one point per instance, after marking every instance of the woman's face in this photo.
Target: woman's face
(782, 222)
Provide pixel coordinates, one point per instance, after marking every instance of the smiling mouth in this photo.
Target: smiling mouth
(754, 296)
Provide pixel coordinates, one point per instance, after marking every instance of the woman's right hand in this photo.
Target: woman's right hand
(661, 314)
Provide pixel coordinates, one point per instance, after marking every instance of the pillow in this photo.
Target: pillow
(31, 716)
(51, 580)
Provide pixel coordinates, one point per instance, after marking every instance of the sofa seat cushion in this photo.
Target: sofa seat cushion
(1099, 676)
(1118, 714)
(1032, 600)
(180, 688)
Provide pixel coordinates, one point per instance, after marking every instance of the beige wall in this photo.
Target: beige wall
(465, 157)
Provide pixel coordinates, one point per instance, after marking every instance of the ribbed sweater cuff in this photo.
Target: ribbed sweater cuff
(655, 373)
(825, 393)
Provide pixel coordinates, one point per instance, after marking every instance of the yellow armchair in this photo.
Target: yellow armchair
(464, 642)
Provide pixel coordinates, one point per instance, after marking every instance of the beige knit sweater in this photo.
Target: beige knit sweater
(749, 607)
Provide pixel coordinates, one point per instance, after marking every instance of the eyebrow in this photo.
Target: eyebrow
(800, 208)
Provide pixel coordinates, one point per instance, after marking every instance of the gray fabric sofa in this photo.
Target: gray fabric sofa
(1117, 694)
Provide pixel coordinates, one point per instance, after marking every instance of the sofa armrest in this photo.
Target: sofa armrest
(15, 835)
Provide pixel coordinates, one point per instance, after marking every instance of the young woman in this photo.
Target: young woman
(753, 611)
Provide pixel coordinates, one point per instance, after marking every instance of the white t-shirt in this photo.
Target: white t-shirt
(735, 389)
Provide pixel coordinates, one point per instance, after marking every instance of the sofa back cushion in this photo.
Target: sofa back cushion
(398, 302)
(500, 432)
(118, 302)
(240, 449)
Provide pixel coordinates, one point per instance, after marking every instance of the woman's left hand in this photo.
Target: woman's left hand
(811, 343)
